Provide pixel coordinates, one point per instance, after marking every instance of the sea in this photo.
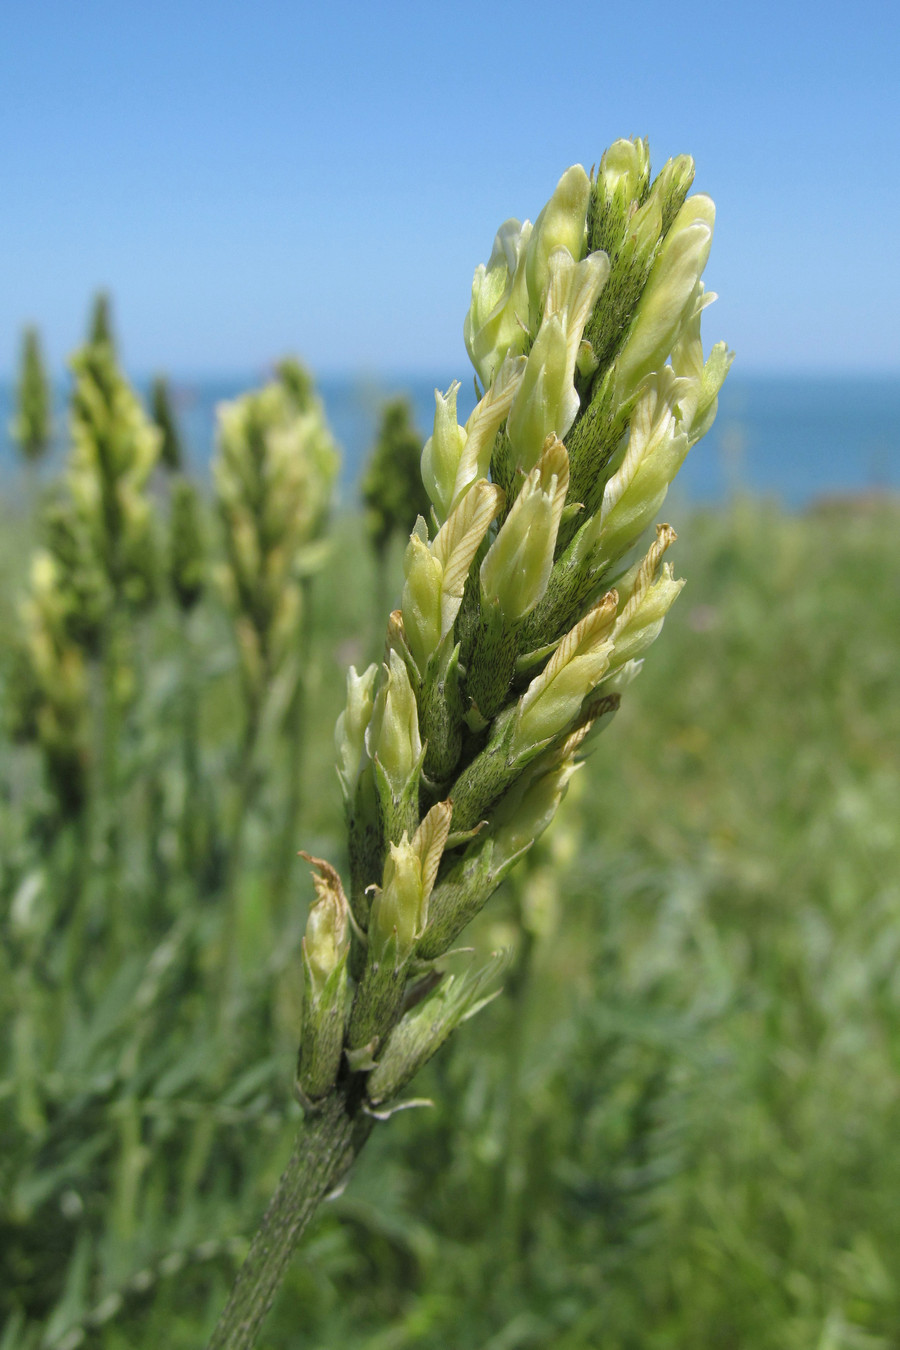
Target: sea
(797, 439)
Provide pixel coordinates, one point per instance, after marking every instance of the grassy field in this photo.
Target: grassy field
(676, 1128)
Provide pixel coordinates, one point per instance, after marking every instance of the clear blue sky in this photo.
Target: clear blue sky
(250, 179)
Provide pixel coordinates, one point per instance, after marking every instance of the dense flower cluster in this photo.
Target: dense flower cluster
(527, 606)
(274, 475)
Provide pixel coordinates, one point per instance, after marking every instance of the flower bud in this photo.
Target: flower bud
(667, 297)
(625, 170)
(559, 225)
(114, 451)
(687, 350)
(325, 947)
(397, 910)
(619, 187)
(541, 405)
(555, 697)
(392, 737)
(400, 908)
(274, 472)
(327, 926)
(459, 539)
(436, 572)
(701, 382)
(442, 451)
(715, 370)
(517, 566)
(484, 423)
(644, 231)
(657, 445)
(350, 730)
(653, 591)
(496, 322)
(671, 186)
(528, 808)
(546, 401)
(421, 602)
(455, 456)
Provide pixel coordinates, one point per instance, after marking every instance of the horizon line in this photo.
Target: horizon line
(362, 373)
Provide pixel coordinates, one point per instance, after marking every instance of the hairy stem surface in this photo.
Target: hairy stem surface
(324, 1150)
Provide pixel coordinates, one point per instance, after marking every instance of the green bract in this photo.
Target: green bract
(496, 323)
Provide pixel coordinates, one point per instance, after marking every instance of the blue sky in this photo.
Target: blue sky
(248, 180)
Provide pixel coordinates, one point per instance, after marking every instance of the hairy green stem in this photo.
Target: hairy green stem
(324, 1151)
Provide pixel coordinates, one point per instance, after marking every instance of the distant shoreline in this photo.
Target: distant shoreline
(802, 439)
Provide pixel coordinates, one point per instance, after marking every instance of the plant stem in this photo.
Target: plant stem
(190, 727)
(32, 491)
(295, 739)
(71, 923)
(237, 833)
(324, 1151)
(513, 1174)
(112, 727)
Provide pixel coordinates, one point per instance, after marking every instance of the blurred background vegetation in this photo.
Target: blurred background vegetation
(675, 1128)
